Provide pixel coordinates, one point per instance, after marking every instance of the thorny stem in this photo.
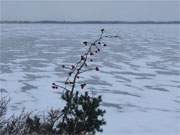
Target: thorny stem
(76, 69)
(84, 61)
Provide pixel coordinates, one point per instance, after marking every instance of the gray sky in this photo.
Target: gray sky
(74, 10)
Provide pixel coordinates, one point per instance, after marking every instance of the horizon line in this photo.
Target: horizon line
(91, 22)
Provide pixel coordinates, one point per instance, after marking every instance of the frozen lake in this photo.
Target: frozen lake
(139, 76)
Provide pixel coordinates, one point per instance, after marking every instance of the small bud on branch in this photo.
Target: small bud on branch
(97, 69)
(85, 43)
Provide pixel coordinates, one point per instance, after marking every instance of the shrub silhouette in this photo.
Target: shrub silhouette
(82, 115)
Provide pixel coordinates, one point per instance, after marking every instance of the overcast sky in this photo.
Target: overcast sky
(74, 10)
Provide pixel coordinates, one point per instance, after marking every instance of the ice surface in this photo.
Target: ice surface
(139, 76)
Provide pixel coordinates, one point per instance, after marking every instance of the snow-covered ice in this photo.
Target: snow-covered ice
(139, 76)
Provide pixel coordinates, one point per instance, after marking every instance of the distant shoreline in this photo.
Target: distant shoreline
(89, 22)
